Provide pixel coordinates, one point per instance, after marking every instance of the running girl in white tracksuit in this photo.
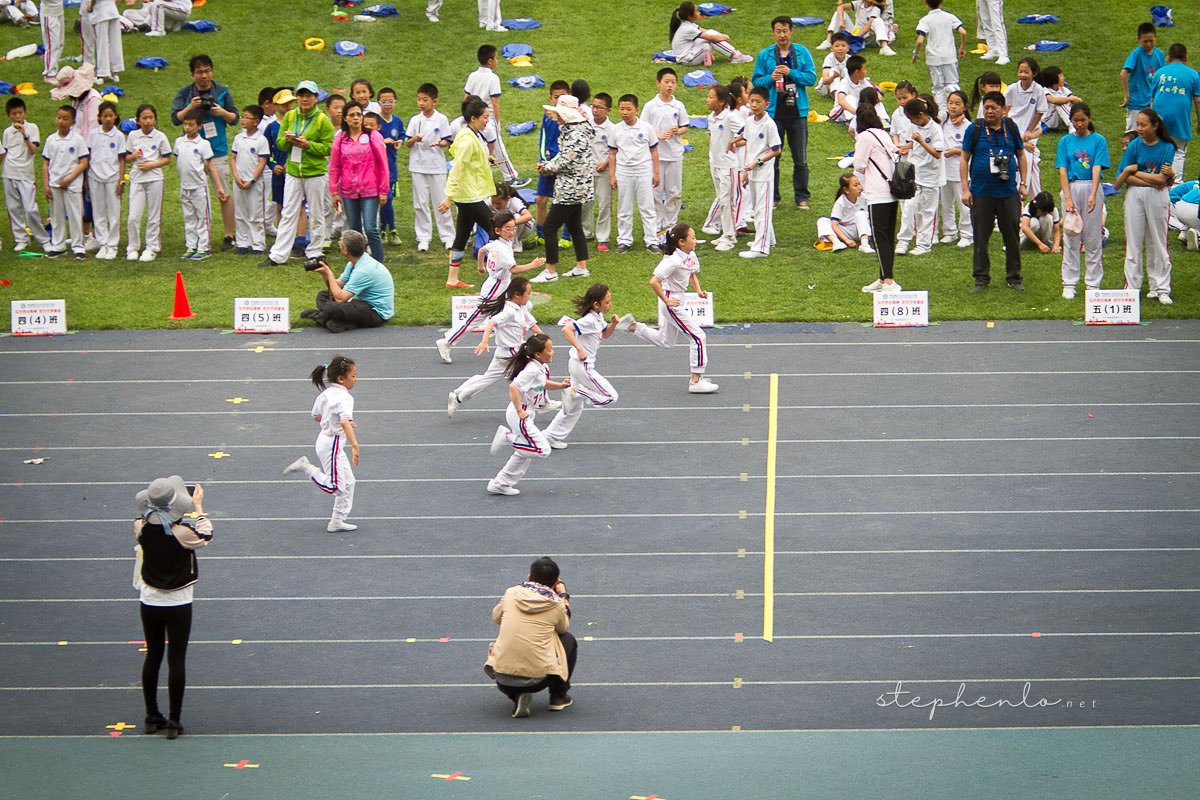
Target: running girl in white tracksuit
(669, 282)
(496, 259)
(1146, 168)
(511, 317)
(528, 372)
(587, 385)
(334, 412)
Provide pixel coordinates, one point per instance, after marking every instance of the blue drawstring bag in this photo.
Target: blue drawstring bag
(520, 24)
(1108, 189)
(514, 50)
(128, 126)
(202, 26)
(1162, 16)
(521, 128)
(381, 10)
(1037, 19)
(527, 82)
(7, 88)
(321, 95)
(699, 77)
(41, 51)
(528, 196)
(152, 62)
(348, 48)
(807, 22)
(857, 43)
(117, 90)
(663, 55)
(1048, 46)
(713, 9)
(698, 122)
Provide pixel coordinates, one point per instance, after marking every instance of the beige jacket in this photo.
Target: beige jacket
(528, 644)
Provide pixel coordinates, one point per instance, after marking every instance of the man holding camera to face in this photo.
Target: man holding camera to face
(216, 102)
(785, 70)
(362, 297)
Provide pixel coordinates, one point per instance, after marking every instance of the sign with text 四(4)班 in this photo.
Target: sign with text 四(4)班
(261, 315)
(1112, 307)
(38, 317)
(462, 306)
(901, 309)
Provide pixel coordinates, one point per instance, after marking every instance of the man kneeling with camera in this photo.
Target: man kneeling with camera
(362, 297)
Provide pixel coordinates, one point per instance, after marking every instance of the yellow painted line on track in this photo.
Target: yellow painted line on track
(769, 515)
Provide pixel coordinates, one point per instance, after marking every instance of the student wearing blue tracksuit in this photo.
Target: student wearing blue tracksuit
(391, 128)
(548, 149)
(283, 101)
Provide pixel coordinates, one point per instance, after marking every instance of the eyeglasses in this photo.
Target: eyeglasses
(203, 71)
(387, 102)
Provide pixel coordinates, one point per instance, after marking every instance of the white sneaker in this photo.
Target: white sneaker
(422, 247)
(1001, 61)
(890, 287)
(556, 444)
(873, 286)
(949, 238)
(510, 491)
(157, 33)
(626, 320)
(825, 45)
(838, 245)
(702, 386)
(920, 251)
(452, 404)
(901, 248)
(1193, 240)
(577, 272)
(724, 245)
(571, 401)
(432, 17)
(148, 255)
(90, 243)
(1151, 294)
(499, 440)
(752, 254)
(866, 248)
(884, 50)
(298, 465)
(443, 348)
(131, 255)
(711, 231)
(1165, 299)
(741, 58)
(965, 243)
(1068, 293)
(549, 407)
(339, 525)
(990, 55)
(545, 276)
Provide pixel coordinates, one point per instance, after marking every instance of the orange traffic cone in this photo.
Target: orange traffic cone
(183, 309)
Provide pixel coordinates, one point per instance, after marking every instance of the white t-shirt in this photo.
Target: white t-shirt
(63, 153)
(247, 151)
(512, 324)
(762, 136)
(483, 83)
(939, 26)
(831, 64)
(723, 128)
(953, 135)
(424, 157)
(600, 141)
(334, 406)
(500, 260)
(104, 11)
(845, 211)
(191, 157)
(663, 115)
(531, 384)
(18, 164)
(851, 90)
(930, 171)
(1025, 105)
(677, 269)
(685, 44)
(144, 148)
(587, 331)
(105, 151)
(632, 144)
(264, 123)
(901, 128)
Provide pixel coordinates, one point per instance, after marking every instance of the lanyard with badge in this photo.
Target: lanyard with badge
(998, 160)
(297, 153)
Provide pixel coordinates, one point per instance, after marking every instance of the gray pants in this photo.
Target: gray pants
(1092, 237)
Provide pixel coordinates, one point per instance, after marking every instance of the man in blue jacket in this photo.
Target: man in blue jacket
(786, 69)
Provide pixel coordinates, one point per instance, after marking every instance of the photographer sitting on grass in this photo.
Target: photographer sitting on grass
(362, 297)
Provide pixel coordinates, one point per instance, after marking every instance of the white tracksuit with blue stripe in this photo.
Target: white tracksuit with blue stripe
(334, 406)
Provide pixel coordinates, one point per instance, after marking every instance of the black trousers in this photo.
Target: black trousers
(470, 215)
(883, 231)
(1005, 212)
(557, 686)
(794, 133)
(571, 215)
(339, 317)
(161, 624)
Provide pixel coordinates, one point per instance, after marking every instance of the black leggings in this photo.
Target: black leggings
(161, 624)
(570, 214)
(883, 231)
(470, 215)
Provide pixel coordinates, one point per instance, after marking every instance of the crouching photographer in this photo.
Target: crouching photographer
(362, 297)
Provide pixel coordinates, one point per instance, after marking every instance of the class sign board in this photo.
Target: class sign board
(901, 309)
(261, 315)
(1112, 307)
(699, 309)
(462, 306)
(38, 317)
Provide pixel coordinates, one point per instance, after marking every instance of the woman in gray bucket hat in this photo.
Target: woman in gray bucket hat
(170, 527)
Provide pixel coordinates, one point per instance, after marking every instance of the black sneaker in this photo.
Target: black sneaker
(310, 313)
(979, 287)
(80, 256)
(519, 183)
(624, 248)
(226, 244)
(267, 262)
(1017, 287)
(54, 253)
(242, 251)
(559, 703)
(653, 248)
(254, 252)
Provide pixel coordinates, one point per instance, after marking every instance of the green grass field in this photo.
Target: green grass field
(583, 40)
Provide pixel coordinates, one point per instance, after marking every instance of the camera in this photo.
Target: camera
(314, 264)
(1002, 162)
(207, 101)
(789, 97)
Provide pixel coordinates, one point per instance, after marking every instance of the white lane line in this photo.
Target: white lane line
(1108, 373)
(670, 554)
(726, 683)
(627, 596)
(591, 478)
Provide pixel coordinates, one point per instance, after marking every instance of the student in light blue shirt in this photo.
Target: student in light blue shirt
(1137, 75)
(1082, 158)
(1176, 91)
(1146, 168)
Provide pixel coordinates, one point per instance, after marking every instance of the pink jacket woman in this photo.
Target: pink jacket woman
(358, 166)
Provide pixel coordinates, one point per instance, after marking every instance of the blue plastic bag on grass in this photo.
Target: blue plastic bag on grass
(1037, 19)
(381, 10)
(348, 48)
(698, 122)
(128, 126)
(520, 24)
(699, 77)
(807, 22)
(857, 43)
(1162, 16)
(521, 128)
(528, 196)
(1048, 46)
(153, 62)
(7, 88)
(713, 9)
(663, 55)
(527, 82)
(117, 90)
(202, 26)
(516, 49)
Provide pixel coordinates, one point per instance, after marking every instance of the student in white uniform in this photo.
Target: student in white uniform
(510, 317)
(485, 84)
(64, 160)
(588, 386)
(87, 34)
(334, 412)
(528, 372)
(106, 179)
(1025, 104)
(990, 14)
(936, 31)
(758, 176)
(901, 133)
(597, 213)
(930, 172)
(669, 119)
(833, 68)
(847, 224)
(507, 199)
(846, 92)
(1059, 98)
(21, 13)
(725, 127)
(193, 158)
(110, 57)
(956, 218)
(633, 170)
(53, 30)
(1041, 224)
(161, 16)
(149, 151)
(428, 136)
(692, 44)
(678, 268)
(20, 142)
(251, 151)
